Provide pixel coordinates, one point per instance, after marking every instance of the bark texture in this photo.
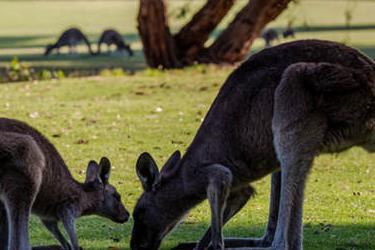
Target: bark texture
(158, 44)
(187, 46)
(235, 41)
(192, 37)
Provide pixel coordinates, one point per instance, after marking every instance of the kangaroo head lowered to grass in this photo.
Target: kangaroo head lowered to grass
(274, 114)
(70, 38)
(110, 37)
(34, 177)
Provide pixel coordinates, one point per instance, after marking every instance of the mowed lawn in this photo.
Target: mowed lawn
(159, 112)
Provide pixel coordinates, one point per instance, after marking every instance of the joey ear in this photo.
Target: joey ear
(105, 169)
(147, 171)
(92, 172)
(171, 166)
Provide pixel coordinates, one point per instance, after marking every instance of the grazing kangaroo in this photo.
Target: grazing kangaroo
(289, 32)
(274, 114)
(34, 177)
(270, 35)
(71, 38)
(110, 37)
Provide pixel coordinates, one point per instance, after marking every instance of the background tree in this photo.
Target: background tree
(163, 49)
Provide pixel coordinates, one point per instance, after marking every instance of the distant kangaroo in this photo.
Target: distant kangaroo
(270, 35)
(110, 37)
(289, 32)
(71, 38)
(274, 114)
(34, 177)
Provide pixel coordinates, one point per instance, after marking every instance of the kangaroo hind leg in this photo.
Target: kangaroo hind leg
(4, 232)
(299, 130)
(20, 182)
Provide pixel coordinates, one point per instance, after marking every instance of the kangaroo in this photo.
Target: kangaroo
(269, 35)
(110, 37)
(273, 115)
(71, 38)
(34, 178)
(289, 32)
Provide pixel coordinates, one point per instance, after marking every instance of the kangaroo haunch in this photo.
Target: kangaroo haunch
(34, 177)
(274, 114)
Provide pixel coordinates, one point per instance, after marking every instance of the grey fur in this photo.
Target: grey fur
(34, 178)
(277, 111)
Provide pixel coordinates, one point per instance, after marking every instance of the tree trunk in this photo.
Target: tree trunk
(191, 38)
(234, 42)
(161, 49)
(158, 44)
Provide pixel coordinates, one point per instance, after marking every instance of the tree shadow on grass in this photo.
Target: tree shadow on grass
(81, 61)
(27, 41)
(323, 28)
(368, 50)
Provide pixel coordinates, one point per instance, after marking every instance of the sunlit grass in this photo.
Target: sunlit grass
(120, 118)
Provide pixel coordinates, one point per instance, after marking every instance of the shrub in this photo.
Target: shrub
(18, 71)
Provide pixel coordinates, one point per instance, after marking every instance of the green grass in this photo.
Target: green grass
(118, 118)
(24, 33)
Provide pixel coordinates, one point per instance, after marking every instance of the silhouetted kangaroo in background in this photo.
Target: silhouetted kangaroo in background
(269, 36)
(274, 114)
(289, 32)
(34, 177)
(71, 38)
(110, 37)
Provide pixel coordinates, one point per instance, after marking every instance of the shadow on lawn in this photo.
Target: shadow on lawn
(370, 51)
(320, 236)
(320, 28)
(82, 61)
(331, 28)
(316, 236)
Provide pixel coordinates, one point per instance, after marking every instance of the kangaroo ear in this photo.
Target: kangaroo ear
(171, 166)
(92, 172)
(105, 169)
(147, 171)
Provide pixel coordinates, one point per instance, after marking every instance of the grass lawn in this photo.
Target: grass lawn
(118, 118)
